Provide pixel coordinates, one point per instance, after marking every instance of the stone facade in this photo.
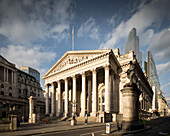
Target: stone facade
(93, 80)
(131, 71)
(16, 87)
(162, 105)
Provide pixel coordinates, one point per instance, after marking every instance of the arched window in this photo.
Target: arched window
(101, 99)
(10, 88)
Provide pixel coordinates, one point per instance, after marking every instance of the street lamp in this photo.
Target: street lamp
(140, 100)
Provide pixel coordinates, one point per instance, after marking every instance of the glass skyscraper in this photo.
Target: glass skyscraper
(31, 71)
(133, 44)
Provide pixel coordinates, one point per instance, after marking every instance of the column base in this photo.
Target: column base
(65, 114)
(52, 115)
(47, 114)
(93, 114)
(58, 114)
(82, 114)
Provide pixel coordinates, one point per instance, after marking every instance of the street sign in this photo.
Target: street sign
(108, 128)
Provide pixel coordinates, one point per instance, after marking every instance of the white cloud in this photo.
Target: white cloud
(147, 15)
(24, 22)
(112, 20)
(89, 28)
(163, 86)
(60, 32)
(160, 44)
(163, 67)
(146, 37)
(24, 56)
(33, 57)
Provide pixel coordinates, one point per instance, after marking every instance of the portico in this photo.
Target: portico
(88, 78)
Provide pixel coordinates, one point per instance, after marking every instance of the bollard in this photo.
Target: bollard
(86, 117)
(108, 128)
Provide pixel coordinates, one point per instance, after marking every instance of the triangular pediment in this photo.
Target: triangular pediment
(72, 58)
(4, 61)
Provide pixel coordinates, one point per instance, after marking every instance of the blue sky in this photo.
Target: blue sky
(37, 33)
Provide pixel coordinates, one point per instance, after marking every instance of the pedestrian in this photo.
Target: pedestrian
(22, 118)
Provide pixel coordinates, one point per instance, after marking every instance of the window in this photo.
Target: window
(2, 92)
(10, 94)
(19, 90)
(2, 86)
(10, 88)
(102, 98)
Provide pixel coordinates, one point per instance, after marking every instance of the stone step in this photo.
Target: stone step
(90, 119)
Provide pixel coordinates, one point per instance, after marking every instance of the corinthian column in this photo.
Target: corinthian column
(59, 98)
(94, 104)
(83, 98)
(47, 99)
(107, 90)
(89, 96)
(74, 94)
(66, 97)
(53, 102)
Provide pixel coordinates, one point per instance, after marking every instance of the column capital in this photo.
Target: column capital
(94, 70)
(106, 66)
(73, 76)
(65, 79)
(58, 81)
(83, 73)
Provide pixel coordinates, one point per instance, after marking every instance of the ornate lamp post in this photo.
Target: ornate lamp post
(140, 100)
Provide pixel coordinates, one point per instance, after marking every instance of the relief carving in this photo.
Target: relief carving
(70, 60)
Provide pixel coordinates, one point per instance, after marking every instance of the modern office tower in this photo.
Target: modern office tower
(150, 70)
(133, 44)
(31, 71)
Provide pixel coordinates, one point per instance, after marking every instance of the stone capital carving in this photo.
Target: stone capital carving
(73, 76)
(83, 73)
(46, 85)
(106, 66)
(65, 79)
(94, 70)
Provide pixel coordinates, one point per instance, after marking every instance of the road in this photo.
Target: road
(97, 131)
(159, 127)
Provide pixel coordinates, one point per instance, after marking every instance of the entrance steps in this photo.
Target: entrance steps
(81, 119)
(90, 119)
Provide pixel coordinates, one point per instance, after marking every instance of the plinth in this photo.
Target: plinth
(131, 107)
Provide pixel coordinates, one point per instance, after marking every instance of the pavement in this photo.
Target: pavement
(158, 126)
(27, 129)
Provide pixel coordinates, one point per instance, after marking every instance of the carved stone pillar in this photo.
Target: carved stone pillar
(32, 114)
(83, 98)
(7, 75)
(4, 74)
(53, 101)
(47, 100)
(94, 104)
(59, 98)
(89, 96)
(107, 90)
(130, 107)
(12, 74)
(66, 97)
(74, 95)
